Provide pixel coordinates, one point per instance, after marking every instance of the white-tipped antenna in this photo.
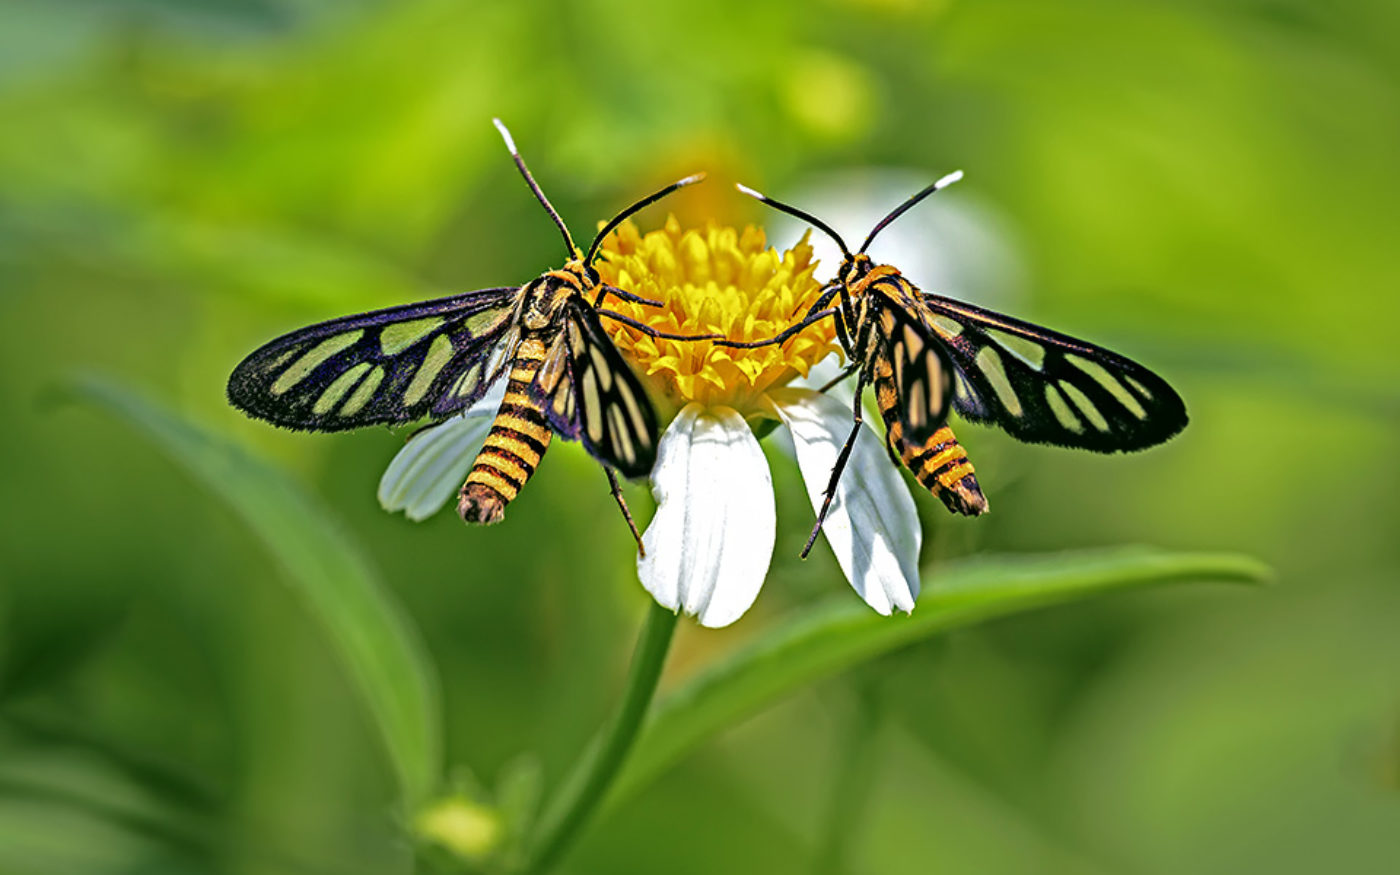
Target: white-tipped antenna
(797, 214)
(900, 210)
(535, 187)
(644, 202)
(505, 135)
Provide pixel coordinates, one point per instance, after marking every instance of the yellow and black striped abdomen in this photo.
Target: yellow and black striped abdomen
(514, 446)
(940, 464)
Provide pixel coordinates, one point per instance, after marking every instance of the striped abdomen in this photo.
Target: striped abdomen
(517, 440)
(940, 464)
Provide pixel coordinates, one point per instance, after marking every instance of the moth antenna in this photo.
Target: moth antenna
(534, 186)
(799, 214)
(644, 202)
(907, 205)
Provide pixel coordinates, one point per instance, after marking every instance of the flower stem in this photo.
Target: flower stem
(579, 795)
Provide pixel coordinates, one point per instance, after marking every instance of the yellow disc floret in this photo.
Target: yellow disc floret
(714, 280)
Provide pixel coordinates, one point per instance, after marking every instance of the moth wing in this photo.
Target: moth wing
(590, 394)
(922, 371)
(426, 360)
(1041, 386)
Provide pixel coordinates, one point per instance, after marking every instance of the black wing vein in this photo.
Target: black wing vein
(400, 364)
(590, 394)
(1041, 386)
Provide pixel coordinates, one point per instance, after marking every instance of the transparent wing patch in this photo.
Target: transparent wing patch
(590, 394)
(390, 366)
(1045, 387)
(922, 372)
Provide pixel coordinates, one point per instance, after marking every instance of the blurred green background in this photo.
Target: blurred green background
(1209, 187)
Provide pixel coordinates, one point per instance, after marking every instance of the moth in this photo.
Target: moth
(926, 354)
(432, 360)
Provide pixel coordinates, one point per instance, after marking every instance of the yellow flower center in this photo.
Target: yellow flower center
(714, 280)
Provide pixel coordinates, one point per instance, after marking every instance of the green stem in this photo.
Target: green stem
(577, 798)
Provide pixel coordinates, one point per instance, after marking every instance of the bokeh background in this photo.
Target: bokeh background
(1210, 187)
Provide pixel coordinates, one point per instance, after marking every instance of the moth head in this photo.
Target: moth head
(584, 270)
(585, 274)
(854, 268)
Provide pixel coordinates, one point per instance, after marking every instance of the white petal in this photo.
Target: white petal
(432, 465)
(872, 525)
(709, 546)
(489, 403)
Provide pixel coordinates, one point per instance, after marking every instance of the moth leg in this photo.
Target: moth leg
(824, 299)
(845, 372)
(818, 311)
(838, 468)
(844, 334)
(626, 512)
(895, 458)
(780, 337)
(604, 290)
(652, 332)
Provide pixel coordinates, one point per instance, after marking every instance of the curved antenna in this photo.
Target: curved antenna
(907, 205)
(644, 202)
(796, 213)
(535, 186)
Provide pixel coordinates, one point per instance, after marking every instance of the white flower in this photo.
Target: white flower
(709, 546)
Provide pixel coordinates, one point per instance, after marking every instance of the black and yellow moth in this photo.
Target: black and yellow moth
(926, 354)
(432, 360)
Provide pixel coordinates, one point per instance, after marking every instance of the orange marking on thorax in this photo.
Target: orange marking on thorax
(565, 276)
(880, 271)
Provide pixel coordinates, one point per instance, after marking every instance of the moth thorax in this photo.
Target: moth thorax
(854, 269)
(543, 305)
(586, 273)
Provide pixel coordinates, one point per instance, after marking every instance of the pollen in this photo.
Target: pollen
(721, 280)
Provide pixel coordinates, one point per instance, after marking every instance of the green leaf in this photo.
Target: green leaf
(841, 633)
(370, 631)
